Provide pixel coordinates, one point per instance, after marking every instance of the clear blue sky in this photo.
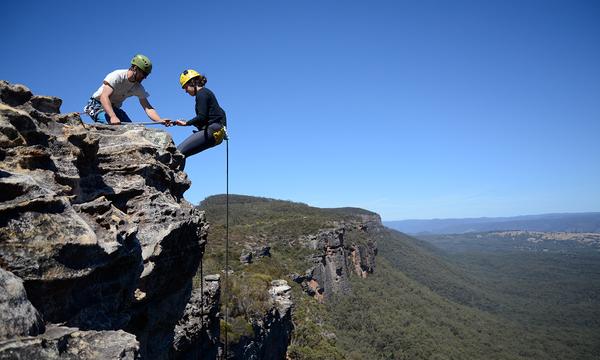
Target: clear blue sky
(411, 109)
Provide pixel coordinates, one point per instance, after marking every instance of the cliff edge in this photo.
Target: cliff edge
(98, 248)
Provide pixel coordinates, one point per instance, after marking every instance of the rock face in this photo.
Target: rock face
(197, 333)
(17, 316)
(340, 252)
(94, 224)
(331, 271)
(273, 332)
(60, 342)
(363, 259)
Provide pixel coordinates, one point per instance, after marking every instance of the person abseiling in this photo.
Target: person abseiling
(105, 105)
(210, 117)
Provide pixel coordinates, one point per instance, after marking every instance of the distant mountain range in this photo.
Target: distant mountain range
(567, 222)
(519, 241)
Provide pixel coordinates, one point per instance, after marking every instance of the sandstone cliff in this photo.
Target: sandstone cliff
(97, 245)
(339, 252)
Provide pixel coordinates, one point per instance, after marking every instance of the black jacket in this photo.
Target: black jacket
(208, 110)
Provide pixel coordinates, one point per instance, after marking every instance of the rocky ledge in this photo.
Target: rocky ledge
(97, 245)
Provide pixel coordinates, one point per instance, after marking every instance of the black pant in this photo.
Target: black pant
(200, 140)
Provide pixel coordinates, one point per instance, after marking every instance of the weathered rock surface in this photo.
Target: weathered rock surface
(60, 342)
(340, 252)
(14, 94)
(273, 332)
(198, 331)
(331, 270)
(363, 259)
(17, 316)
(93, 221)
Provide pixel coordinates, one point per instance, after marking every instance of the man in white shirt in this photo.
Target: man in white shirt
(105, 105)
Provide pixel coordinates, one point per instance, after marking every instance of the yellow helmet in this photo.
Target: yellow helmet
(187, 75)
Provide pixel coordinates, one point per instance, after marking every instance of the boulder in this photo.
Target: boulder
(14, 94)
(17, 315)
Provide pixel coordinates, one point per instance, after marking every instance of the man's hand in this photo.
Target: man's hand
(107, 90)
(180, 123)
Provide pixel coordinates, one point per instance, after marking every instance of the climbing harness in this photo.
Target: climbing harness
(92, 108)
(219, 135)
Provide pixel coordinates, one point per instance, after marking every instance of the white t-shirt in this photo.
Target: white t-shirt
(122, 88)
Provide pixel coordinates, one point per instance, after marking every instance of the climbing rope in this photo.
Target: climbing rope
(123, 123)
(226, 287)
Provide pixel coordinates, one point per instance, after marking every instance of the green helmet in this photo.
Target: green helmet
(143, 63)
